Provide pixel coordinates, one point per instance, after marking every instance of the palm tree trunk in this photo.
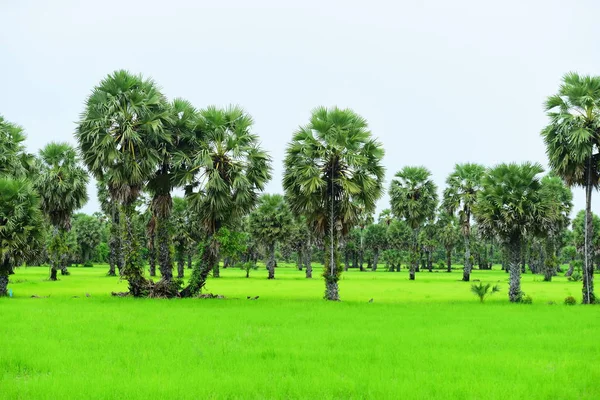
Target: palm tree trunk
(514, 291)
(449, 260)
(429, 261)
(308, 259)
(5, 269)
(180, 252)
(189, 259)
(375, 259)
(467, 267)
(152, 255)
(588, 268)
(132, 270)
(299, 260)
(570, 270)
(202, 269)
(332, 270)
(271, 260)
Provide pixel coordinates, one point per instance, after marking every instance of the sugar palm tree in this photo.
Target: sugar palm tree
(460, 196)
(14, 160)
(448, 235)
(413, 197)
(21, 228)
(333, 172)
(510, 206)
(562, 203)
(573, 146)
(182, 122)
(182, 236)
(270, 223)
(62, 187)
(111, 209)
(120, 134)
(223, 170)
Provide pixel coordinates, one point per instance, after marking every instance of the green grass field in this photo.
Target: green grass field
(430, 338)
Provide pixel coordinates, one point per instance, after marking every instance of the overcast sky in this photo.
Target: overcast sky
(440, 82)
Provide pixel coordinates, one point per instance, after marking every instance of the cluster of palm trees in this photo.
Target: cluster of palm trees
(133, 140)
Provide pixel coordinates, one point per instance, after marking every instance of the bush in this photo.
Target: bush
(576, 277)
(570, 301)
(88, 264)
(526, 300)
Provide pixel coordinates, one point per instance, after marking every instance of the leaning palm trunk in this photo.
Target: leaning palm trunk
(467, 268)
(514, 251)
(271, 260)
(588, 266)
(202, 269)
(132, 270)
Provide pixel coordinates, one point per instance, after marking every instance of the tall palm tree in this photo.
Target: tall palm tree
(110, 208)
(573, 147)
(333, 172)
(62, 187)
(21, 228)
(459, 197)
(270, 223)
(181, 122)
(448, 235)
(414, 198)
(120, 134)
(223, 170)
(182, 237)
(510, 206)
(562, 203)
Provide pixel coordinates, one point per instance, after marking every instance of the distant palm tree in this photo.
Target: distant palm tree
(120, 134)
(21, 228)
(413, 197)
(459, 197)
(333, 172)
(573, 146)
(223, 171)
(510, 206)
(62, 187)
(270, 223)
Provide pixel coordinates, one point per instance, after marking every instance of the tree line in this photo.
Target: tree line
(140, 147)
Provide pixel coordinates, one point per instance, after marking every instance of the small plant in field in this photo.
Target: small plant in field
(526, 299)
(570, 301)
(482, 291)
(575, 277)
(247, 266)
(88, 264)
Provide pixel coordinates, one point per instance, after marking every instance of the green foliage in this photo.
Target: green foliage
(413, 196)
(376, 237)
(570, 301)
(576, 277)
(482, 291)
(460, 195)
(232, 244)
(271, 221)
(526, 299)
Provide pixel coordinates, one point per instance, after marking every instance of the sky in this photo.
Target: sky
(440, 82)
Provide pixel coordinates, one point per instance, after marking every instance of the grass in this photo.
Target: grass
(430, 338)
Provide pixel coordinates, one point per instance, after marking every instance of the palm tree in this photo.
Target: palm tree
(120, 134)
(14, 161)
(459, 197)
(573, 146)
(414, 198)
(562, 202)
(110, 208)
(62, 186)
(222, 172)
(448, 235)
(510, 206)
(21, 228)
(376, 240)
(182, 238)
(182, 122)
(333, 172)
(270, 223)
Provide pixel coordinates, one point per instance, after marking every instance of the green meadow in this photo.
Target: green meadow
(429, 338)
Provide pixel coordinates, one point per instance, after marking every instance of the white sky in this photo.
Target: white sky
(440, 82)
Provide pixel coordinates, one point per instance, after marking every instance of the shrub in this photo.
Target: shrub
(482, 291)
(526, 299)
(570, 301)
(88, 264)
(576, 276)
